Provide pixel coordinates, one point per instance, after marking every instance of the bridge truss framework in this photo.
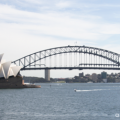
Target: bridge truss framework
(70, 57)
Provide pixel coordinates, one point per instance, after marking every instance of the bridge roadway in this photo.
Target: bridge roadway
(70, 68)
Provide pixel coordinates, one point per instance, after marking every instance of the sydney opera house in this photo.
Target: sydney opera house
(10, 75)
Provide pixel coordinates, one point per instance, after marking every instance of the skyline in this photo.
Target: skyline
(28, 26)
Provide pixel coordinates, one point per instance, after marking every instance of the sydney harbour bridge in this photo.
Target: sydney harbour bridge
(70, 57)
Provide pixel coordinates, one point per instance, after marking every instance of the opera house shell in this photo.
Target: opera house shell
(10, 76)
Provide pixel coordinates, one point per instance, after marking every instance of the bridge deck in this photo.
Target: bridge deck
(71, 68)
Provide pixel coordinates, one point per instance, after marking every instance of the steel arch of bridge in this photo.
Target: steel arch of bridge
(29, 62)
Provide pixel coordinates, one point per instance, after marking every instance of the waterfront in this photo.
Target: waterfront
(59, 101)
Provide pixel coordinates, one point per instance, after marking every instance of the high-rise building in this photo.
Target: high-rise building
(81, 74)
(103, 75)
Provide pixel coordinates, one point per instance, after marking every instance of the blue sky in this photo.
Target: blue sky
(28, 26)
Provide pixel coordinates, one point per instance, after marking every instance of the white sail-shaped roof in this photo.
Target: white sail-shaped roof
(10, 72)
(12, 65)
(3, 61)
(16, 69)
(1, 55)
(6, 67)
(1, 72)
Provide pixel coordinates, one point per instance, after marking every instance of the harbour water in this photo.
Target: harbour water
(56, 101)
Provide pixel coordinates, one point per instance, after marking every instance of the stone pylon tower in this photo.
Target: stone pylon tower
(47, 74)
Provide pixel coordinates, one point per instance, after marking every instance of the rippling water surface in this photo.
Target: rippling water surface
(56, 101)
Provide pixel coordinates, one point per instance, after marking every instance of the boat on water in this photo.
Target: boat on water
(75, 90)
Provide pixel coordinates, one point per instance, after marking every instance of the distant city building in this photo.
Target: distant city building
(90, 77)
(103, 75)
(76, 77)
(81, 74)
(94, 77)
(117, 80)
(69, 78)
(87, 75)
(99, 78)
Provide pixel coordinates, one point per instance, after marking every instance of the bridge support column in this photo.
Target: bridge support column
(47, 74)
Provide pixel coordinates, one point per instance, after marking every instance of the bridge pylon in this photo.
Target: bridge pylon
(47, 74)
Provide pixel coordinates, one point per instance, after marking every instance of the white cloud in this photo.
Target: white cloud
(56, 24)
(35, 1)
(63, 4)
(110, 29)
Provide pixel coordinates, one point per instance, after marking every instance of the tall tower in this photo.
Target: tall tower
(103, 75)
(47, 74)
